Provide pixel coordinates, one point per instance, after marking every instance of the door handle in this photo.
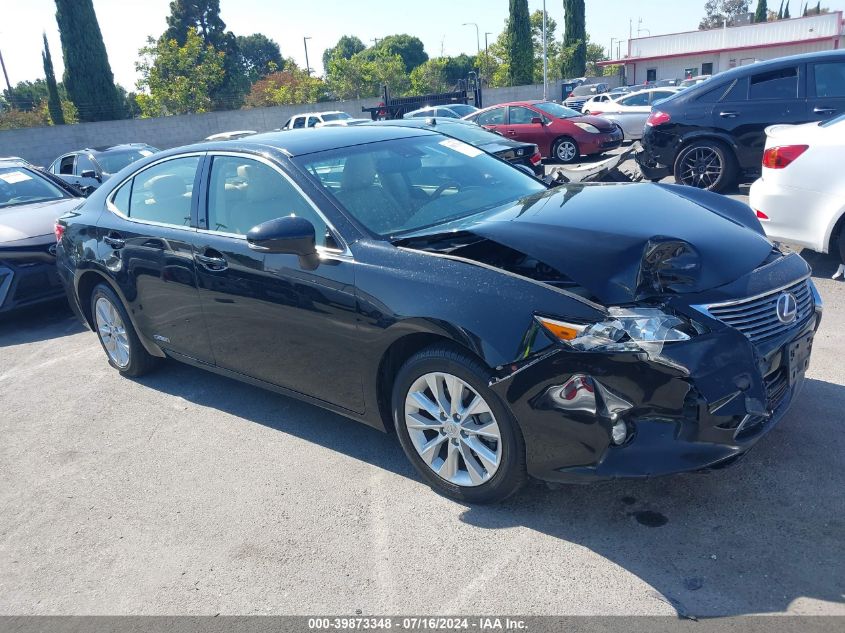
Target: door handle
(819, 110)
(729, 114)
(114, 240)
(512, 132)
(212, 263)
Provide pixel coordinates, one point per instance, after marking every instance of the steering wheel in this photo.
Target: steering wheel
(448, 183)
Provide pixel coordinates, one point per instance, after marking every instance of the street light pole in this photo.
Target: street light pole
(545, 58)
(307, 65)
(477, 42)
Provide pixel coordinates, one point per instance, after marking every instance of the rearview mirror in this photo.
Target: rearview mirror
(290, 234)
(537, 121)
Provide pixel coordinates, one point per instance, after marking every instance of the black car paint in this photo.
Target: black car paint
(738, 123)
(333, 335)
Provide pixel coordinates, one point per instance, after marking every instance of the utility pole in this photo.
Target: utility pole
(307, 65)
(610, 50)
(6, 75)
(545, 58)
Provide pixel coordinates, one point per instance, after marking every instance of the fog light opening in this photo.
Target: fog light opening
(619, 432)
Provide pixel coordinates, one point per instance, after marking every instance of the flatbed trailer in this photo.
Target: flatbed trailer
(468, 93)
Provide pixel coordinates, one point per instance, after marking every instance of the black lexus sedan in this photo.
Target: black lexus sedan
(412, 282)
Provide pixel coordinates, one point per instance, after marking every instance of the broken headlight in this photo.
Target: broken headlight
(625, 330)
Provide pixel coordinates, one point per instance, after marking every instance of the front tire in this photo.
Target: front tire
(706, 165)
(566, 150)
(120, 342)
(455, 430)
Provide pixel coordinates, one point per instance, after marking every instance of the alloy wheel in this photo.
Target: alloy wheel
(566, 151)
(701, 167)
(112, 332)
(453, 429)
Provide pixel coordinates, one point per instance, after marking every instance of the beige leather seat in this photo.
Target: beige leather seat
(367, 200)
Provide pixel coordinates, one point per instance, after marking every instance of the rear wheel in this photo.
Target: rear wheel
(705, 165)
(458, 435)
(566, 150)
(117, 335)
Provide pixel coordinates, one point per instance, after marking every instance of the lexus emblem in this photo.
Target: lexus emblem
(787, 308)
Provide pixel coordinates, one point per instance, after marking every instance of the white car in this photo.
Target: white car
(630, 111)
(311, 119)
(800, 197)
(230, 136)
(451, 111)
(599, 100)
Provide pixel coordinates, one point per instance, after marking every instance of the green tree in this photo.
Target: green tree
(595, 54)
(786, 15)
(204, 17)
(363, 75)
(552, 46)
(260, 56)
(346, 47)
(291, 86)
(458, 68)
(26, 96)
(762, 12)
(430, 77)
(178, 79)
(54, 101)
(14, 119)
(88, 77)
(574, 39)
(409, 48)
(519, 45)
(717, 12)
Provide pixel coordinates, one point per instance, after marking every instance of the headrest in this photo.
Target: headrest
(166, 186)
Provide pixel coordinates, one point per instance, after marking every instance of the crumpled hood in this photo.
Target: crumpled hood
(626, 242)
(24, 224)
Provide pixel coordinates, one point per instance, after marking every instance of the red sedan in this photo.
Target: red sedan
(560, 133)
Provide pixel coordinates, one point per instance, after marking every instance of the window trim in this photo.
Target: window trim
(110, 206)
(202, 210)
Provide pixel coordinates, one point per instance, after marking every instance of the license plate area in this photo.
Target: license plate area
(798, 357)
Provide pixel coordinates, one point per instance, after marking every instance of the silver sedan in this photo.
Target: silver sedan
(631, 111)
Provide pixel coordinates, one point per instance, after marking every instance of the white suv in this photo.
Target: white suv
(311, 119)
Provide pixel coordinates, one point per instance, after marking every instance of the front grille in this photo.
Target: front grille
(757, 317)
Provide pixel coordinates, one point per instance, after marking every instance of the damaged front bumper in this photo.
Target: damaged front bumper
(28, 276)
(700, 404)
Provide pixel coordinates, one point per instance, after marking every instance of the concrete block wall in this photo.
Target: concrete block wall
(43, 145)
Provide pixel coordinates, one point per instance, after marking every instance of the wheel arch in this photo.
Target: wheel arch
(832, 241)
(85, 284)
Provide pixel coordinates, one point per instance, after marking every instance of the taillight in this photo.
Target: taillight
(595, 112)
(657, 118)
(761, 215)
(536, 157)
(58, 231)
(781, 156)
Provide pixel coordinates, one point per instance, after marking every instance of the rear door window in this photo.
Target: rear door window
(496, 116)
(299, 122)
(830, 79)
(635, 100)
(781, 83)
(161, 193)
(66, 166)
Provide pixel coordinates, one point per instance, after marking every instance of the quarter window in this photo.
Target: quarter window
(775, 84)
(161, 193)
(244, 193)
(496, 116)
(830, 79)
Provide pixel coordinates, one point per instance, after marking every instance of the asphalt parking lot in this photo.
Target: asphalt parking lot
(187, 493)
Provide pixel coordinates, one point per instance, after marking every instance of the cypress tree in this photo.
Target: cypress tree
(780, 11)
(520, 44)
(762, 12)
(819, 8)
(574, 39)
(786, 15)
(54, 103)
(88, 77)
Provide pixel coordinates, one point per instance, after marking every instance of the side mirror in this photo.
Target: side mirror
(89, 173)
(290, 234)
(537, 121)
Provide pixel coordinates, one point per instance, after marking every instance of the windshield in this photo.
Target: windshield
(335, 116)
(580, 91)
(19, 185)
(462, 110)
(556, 110)
(468, 133)
(411, 184)
(113, 162)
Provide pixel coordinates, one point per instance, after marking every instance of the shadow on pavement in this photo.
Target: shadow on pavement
(747, 539)
(38, 323)
(823, 265)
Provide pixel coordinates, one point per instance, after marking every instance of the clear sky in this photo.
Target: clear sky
(438, 23)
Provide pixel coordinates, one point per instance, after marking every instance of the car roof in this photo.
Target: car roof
(317, 113)
(308, 141)
(741, 71)
(102, 149)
